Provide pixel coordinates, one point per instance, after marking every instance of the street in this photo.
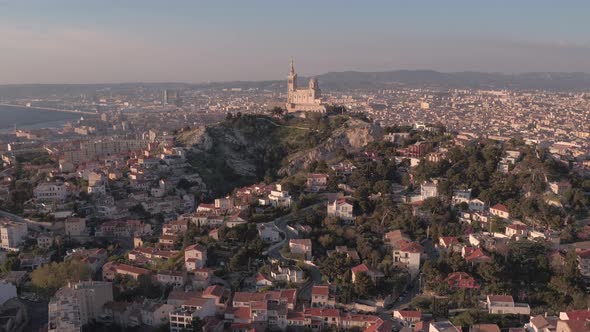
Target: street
(281, 223)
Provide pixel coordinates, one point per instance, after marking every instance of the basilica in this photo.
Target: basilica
(301, 99)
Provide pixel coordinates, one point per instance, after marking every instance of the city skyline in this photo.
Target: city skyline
(109, 42)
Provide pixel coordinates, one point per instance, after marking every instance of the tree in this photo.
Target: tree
(335, 267)
(12, 263)
(277, 111)
(382, 186)
(492, 274)
(51, 277)
(363, 285)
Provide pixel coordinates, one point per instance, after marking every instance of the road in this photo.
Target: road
(275, 250)
(295, 127)
(36, 226)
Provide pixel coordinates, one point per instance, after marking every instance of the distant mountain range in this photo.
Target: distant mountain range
(434, 79)
(334, 81)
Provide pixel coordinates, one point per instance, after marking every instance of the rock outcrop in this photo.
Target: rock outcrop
(351, 137)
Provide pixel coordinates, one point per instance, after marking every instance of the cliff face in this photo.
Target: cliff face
(232, 153)
(244, 151)
(351, 137)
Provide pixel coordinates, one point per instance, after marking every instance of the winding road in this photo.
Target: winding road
(275, 250)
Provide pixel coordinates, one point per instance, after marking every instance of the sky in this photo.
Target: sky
(108, 41)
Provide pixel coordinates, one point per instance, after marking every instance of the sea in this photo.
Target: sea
(29, 118)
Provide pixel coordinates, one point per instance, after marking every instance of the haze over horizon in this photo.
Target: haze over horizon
(67, 41)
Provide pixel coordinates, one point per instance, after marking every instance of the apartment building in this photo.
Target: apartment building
(12, 234)
(78, 304)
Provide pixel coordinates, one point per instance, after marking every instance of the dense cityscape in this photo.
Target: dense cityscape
(370, 201)
(411, 205)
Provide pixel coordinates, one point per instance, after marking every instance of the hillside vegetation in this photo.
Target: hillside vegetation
(246, 149)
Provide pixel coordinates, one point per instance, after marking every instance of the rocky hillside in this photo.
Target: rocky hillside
(245, 150)
(349, 137)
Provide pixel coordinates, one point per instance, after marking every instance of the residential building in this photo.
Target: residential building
(369, 271)
(517, 230)
(268, 232)
(279, 198)
(461, 280)
(408, 254)
(341, 208)
(12, 234)
(50, 192)
(443, 326)
(320, 296)
(504, 304)
(181, 319)
(350, 253)
(78, 304)
(301, 246)
(44, 241)
(75, 226)
(195, 257)
(500, 210)
(485, 328)
(572, 326)
(428, 190)
(542, 323)
(408, 318)
(168, 277)
(291, 274)
(316, 182)
(112, 269)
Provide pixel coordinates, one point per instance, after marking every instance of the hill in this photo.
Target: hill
(245, 150)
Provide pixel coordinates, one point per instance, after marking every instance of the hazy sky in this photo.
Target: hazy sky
(84, 41)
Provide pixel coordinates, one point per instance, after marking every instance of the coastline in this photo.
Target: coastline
(27, 118)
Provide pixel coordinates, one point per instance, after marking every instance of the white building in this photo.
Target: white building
(279, 198)
(292, 274)
(75, 226)
(44, 241)
(303, 100)
(78, 304)
(12, 234)
(443, 326)
(175, 278)
(301, 246)
(428, 190)
(96, 183)
(182, 319)
(476, 205)
(500, 210)
(320, 296)
(341, 208)
(223, 203)
(504, 304)
(50, 192)
(268, 232)
(195, 257)
(460, 196)
(407, 254)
